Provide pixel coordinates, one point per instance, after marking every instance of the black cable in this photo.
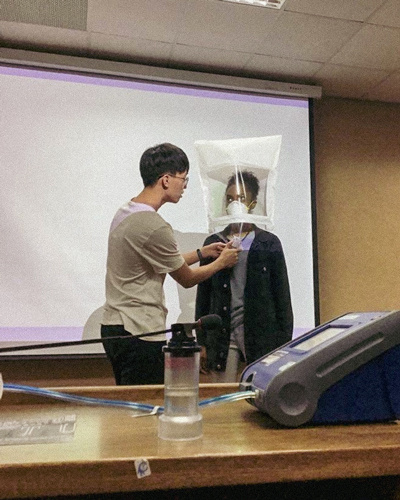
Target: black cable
(77, 342)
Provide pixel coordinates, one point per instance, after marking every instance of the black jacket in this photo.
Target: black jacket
(268, 316)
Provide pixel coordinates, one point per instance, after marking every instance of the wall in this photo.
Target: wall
(357, 156)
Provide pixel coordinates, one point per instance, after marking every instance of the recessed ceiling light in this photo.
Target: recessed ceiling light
(272, 4)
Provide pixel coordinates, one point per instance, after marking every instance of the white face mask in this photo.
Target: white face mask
(236, 208)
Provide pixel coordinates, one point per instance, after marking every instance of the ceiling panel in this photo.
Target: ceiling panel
(225, 25)
(372, 47)
(263, 66)
(353, 10)
(309, 38)
(348, 81)
(201, 58)
(387, 15)
(388, 90)
(37, 37)
(69, 14)
(130, 49)
(349, 47)
(147, 19)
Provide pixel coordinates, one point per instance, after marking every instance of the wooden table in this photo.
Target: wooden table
(240, 446)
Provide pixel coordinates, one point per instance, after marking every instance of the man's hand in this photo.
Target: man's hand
(213, 250)
(188, 277)
(229, 256)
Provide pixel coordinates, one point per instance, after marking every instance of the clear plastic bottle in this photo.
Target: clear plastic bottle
(181, 419)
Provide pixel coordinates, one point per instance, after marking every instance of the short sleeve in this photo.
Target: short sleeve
(161, 251)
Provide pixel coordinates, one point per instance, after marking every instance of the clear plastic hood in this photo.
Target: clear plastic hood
(238, 180)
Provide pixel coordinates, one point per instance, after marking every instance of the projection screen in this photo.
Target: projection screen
(69, 154)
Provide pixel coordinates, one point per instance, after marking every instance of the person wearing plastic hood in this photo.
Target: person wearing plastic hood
(253, 298)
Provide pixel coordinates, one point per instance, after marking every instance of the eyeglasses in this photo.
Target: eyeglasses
(184, 179)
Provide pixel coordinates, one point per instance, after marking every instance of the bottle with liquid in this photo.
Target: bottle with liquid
(181, 419)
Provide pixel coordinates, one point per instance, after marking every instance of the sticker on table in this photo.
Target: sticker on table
(38, 430)
(142, 467)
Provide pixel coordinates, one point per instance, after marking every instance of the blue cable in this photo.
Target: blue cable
(227, 398)
(78, 399)
(150, 409)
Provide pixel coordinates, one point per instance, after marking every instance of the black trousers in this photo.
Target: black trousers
(134, 361)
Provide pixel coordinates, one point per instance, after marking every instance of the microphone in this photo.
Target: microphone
(184, 330)
(182, 333)
(209, 322)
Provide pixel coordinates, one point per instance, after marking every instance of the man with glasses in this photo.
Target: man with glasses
(141, 250)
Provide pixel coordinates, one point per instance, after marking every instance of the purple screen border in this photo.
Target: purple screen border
(41, 333)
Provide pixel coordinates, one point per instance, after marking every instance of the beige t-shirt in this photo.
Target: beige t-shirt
(141, 250)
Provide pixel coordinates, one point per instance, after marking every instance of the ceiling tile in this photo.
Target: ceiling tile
(309, 38)
(350, 47)
(387, 15)
(34, 37)
(347, 81)
(388, 90)
(354, 10)
(372, 47)
(129, 49)
(264, 66)
(223, 25)
(204, 59)
(147, 19)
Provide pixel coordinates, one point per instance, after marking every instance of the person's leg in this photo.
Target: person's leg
(134, 361)
(144, 365)
(113, 347)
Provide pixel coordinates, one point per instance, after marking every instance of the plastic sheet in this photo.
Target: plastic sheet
(223, 161)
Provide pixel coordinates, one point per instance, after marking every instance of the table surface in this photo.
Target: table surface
(240, 445)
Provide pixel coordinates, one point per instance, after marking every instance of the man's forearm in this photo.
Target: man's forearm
(191, 257)
(202, 273)
(188, 277)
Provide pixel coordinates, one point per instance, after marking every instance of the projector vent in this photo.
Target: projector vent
(70, 14)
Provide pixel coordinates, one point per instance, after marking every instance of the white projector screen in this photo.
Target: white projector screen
(69, 153)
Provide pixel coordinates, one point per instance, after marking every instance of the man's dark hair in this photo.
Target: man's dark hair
(162, 159)
(249, 180)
